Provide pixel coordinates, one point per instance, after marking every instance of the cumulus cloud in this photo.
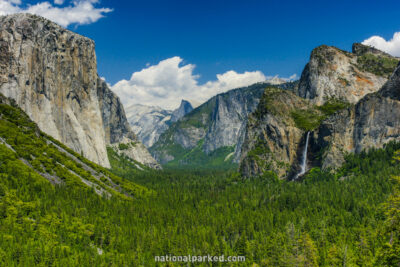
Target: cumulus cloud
(8, 7)
(75, 12)
(391, 46)
(166, 83)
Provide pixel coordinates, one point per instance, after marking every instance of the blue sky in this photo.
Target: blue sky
(273, 37)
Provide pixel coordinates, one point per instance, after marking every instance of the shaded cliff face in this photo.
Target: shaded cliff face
(210, 133)
(333, 73)
(51, 73)
(371, 123)
(118, 133)
(346, 109)
(116, 126)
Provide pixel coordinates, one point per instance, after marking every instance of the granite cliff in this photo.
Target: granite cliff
(334, 73)
(51, 73)
(371, 123)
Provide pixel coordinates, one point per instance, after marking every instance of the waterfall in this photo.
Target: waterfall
(303, 165)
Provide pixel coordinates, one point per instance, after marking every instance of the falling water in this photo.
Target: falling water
(303, 165)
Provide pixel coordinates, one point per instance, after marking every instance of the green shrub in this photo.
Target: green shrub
(377, 64)
(123, 146)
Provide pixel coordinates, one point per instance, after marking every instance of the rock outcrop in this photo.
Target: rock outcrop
(371, 123)
(51, 73)
(334, 73)
(272, 137)
(136, 151)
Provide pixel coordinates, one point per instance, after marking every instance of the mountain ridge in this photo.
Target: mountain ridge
(214, 128)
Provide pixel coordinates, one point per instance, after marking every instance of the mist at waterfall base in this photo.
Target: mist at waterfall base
(303, 165)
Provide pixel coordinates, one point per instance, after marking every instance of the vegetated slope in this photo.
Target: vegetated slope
(54, 203)
(211, 135)
(327, 219)
(21, 138)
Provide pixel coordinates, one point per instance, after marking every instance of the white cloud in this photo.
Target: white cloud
(166, 83)
(392, 46)
(76, 12)
(8, 7)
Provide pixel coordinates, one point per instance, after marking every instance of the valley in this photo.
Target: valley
(281, 172)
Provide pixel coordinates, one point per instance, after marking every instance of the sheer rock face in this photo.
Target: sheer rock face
(371, 123)
(229, 119)
(116, 126)
(51, 73)
(333, 73)
(273, 141)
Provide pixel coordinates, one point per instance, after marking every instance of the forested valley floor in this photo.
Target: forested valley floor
(345, 218)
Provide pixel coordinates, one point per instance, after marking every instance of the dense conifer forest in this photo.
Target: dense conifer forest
(345, 218)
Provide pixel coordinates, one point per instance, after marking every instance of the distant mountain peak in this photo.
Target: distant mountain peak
(183, 109)
(149, 122)
(276, 80)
